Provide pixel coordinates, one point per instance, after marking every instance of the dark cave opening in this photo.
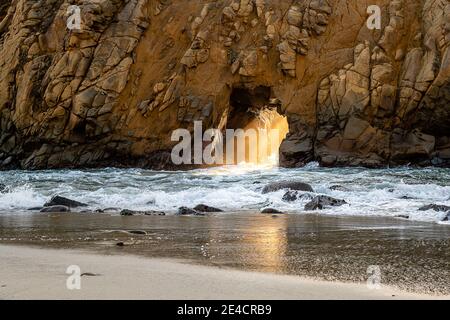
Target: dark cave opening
(246, 104)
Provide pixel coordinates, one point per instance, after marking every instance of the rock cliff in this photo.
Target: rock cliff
(111, 92)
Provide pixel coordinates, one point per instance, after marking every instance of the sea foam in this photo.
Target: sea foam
(388, 192)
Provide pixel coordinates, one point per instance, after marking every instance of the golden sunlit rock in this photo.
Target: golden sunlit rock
(111, 92)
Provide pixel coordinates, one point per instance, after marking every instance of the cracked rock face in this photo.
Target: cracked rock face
(112, 92)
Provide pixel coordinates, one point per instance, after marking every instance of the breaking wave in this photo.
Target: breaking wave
(382, 192)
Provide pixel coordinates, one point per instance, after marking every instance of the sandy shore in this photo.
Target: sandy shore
(33, 273)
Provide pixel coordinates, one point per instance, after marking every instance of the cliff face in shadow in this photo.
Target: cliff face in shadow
(112, 92)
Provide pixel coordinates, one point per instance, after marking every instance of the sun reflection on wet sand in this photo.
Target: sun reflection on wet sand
(269, 240)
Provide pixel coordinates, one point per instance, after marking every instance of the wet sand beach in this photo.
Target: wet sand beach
(412, 256)
(30, 273)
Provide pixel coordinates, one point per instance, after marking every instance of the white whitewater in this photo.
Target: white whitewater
(383, 192)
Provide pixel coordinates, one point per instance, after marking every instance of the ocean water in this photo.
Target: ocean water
(375, 192)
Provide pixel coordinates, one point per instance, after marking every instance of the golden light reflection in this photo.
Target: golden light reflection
(272, 128)
(269, 241)
(263, 242)
(259, 149)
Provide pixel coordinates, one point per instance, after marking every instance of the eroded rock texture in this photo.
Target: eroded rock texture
(112, 92)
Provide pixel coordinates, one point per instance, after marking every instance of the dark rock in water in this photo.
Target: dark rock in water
(447, 217)
(3, 188)
(205, 208)
(127, 212)
(56, 209)
(62, 201)
(185, 211)
(120, 244)
(321, 202)
(110, 209)
(270, 210)
(435, 207)
(403, 216)
(406, 198)
(338, 187)
(291, 196)
(140, 232)
(90, 274)
(35, 209)
(292, 185)
(154, 213)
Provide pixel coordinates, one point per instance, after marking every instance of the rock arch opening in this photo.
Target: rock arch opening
(255, 112)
